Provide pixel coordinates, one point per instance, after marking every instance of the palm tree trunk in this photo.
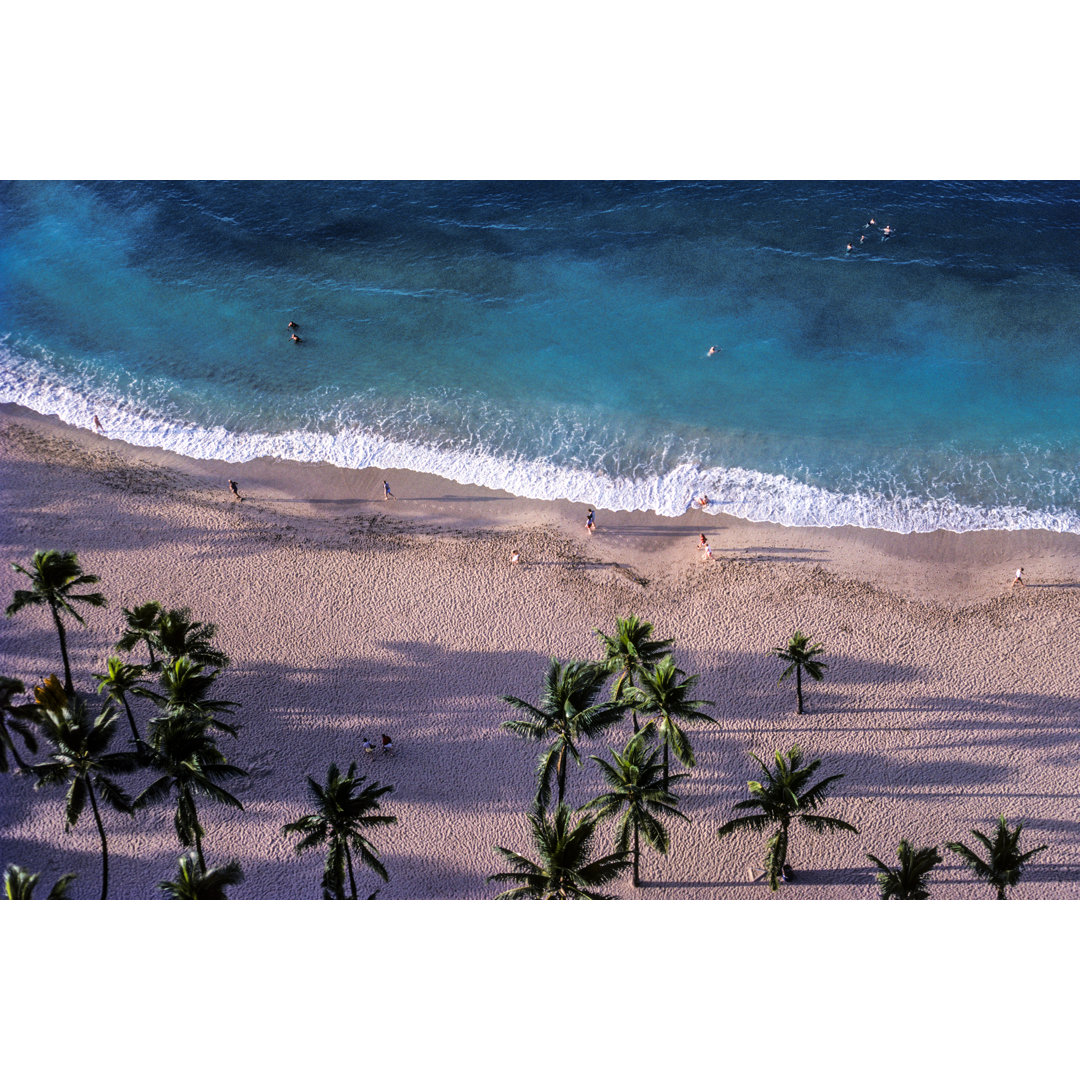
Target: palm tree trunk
(561, 772)
(637, 854)
(104, 843)
(798, 687)
(1001, 893)
(633, 714)
(348, 863)
(190, 801)
(63, 649)
(665, 762)
(131, 720)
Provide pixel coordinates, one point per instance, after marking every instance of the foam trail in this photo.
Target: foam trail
(743, 493)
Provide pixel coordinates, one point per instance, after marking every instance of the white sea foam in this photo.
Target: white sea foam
(743, 493)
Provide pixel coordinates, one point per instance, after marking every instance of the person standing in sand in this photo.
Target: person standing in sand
(515, 557)
(387, 493)
(1019, 579)
(590, 521)
(235, 491)
(708, 553)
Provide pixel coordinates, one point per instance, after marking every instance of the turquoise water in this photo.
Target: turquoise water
(551, 339)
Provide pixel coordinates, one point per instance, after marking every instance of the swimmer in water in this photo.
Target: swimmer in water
(293, 326)
(713, 350)
(296, 338)
(851, 247)
(869, 223)
(887, 231)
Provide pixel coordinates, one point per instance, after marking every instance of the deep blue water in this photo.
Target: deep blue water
(551, 338)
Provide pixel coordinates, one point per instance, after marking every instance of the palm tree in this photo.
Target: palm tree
(81, 759)
(784, 797)
(186, 685)
(1004, 862)
(54, 575)
(799, 655)
(177, 634)
(907, 883)
(567, 711)
(12, 720)
(663, 695)
(141, 626)
(640, 792)
(628, 652)
(564, 871)
(191, 883)
(19, 884)
(342, 813)
(119, 680)
(190, 764)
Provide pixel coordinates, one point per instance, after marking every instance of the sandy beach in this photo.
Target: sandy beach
(950, 698)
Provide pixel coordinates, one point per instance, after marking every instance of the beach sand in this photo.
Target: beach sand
(950, 697)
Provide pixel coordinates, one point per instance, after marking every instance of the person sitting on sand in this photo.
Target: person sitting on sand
(293, 326)
(1019, 579)
(97, 424)
(387, 493)
(236, 491)
(387, 745)
(296, 338)
(515, 556)
(590, 521)
(701, 502)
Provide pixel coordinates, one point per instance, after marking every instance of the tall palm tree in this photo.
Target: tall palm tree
(640, 792)
(628, 652)
(116, 682)
(909, 882)
(799, 655)
(568, 711)
(81, 759)
(189, 763)
(13, 722)
(1004, 862)
(342, 814)
(781, 798)
(186, 685)
(141, 622)
(54, 577)
(19, 884)
(564, 871)
(177, 634)
(191, 883)
(665, 693)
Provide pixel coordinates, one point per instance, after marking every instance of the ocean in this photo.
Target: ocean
(551, 339)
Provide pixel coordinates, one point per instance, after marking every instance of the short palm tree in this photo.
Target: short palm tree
(13, 722)
(781, 797)
(640, 793)
(664, 693)
(799, 655)
(630, 651)
(191, 883)
(54, 577)
(1004, 862)
(176, 634)
(141, 623)
(564, 871)
(19, 884)
(342, 814)
(568, 711)
(186, 685)
(79, 757)
(909, 882)
(189, 763)
(116, 682)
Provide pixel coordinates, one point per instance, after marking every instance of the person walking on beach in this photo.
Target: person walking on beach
(369, 747)
(1019, 579)
(97, 425)
(590, 521)
(235, 491)
(702, 542)
(387, 493)
(708, 553)
(387, 745)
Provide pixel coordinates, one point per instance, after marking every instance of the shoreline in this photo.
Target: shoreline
(949, 697)
(941, 567)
